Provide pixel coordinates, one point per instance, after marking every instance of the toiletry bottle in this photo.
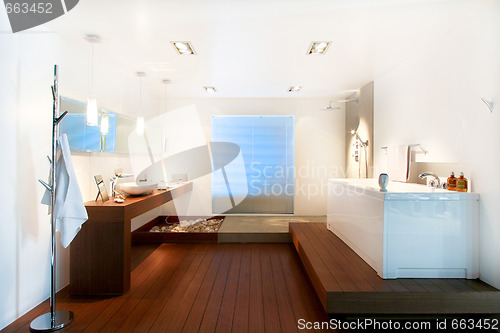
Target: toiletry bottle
(462, 183)
(452, 182)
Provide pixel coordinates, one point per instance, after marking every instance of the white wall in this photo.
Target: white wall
(319, 146)
(433, 99)
(26, 67)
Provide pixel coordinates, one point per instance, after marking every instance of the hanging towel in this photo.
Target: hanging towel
(398, 162)
(70, 212)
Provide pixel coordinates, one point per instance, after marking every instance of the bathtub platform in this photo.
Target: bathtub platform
(345, 284)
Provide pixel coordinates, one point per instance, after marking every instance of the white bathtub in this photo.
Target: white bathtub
(410, 231)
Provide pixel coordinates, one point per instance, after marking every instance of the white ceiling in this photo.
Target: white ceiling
(257, 48)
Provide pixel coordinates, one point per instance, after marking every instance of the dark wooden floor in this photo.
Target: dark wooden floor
(346, 284)
(199, 288)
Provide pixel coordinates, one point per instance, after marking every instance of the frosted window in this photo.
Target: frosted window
(266, 175)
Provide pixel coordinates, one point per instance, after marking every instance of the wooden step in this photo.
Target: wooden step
(345, 284)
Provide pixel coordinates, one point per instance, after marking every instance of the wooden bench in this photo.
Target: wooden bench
(346, 284)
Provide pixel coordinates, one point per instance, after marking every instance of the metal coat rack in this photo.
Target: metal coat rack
(53, 320)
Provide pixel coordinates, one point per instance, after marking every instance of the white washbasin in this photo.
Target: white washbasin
(137, 189)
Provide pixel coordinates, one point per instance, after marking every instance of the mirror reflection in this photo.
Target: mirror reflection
(110, 136)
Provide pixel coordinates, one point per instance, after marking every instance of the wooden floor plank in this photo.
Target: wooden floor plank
(146, 304)
(140, 253)
(155, 303)
(354, 261)
(412, 285)
(182, 309)
(225, 318)
(307, 265)
(256, 302)
(444, 285)
(298, 304)
(83, 314)
(478, 285)
(457, 283)
(328, 281)
(429, 285)
(163, 319)
(334, 270)
(344, 263)
(301, 296)
(394, 286)
(285, 309)
(120, 321)
(148, 267)
(271, 311)
(193, 321)
(23, 324)
(209, 320)
(241, 309)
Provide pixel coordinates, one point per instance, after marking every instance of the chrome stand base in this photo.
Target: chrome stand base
(44, 323)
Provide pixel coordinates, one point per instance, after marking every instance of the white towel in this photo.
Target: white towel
(70, 212)
(398, 162)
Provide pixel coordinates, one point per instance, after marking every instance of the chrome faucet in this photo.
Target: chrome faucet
(434, 183)
(114, 180)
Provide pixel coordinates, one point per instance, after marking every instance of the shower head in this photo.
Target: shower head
(330, 107)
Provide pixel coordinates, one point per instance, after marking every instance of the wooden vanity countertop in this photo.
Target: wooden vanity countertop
(137, 205)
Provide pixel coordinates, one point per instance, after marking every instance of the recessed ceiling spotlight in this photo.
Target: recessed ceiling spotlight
(293, 89)
(184, 47)
(210, 90)
(319, 47)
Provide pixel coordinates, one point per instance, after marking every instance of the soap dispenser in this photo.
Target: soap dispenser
(462, 183)
(452, 182)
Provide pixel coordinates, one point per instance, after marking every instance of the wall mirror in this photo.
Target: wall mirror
(83, 138)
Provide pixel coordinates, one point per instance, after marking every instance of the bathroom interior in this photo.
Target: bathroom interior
(285, 145)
